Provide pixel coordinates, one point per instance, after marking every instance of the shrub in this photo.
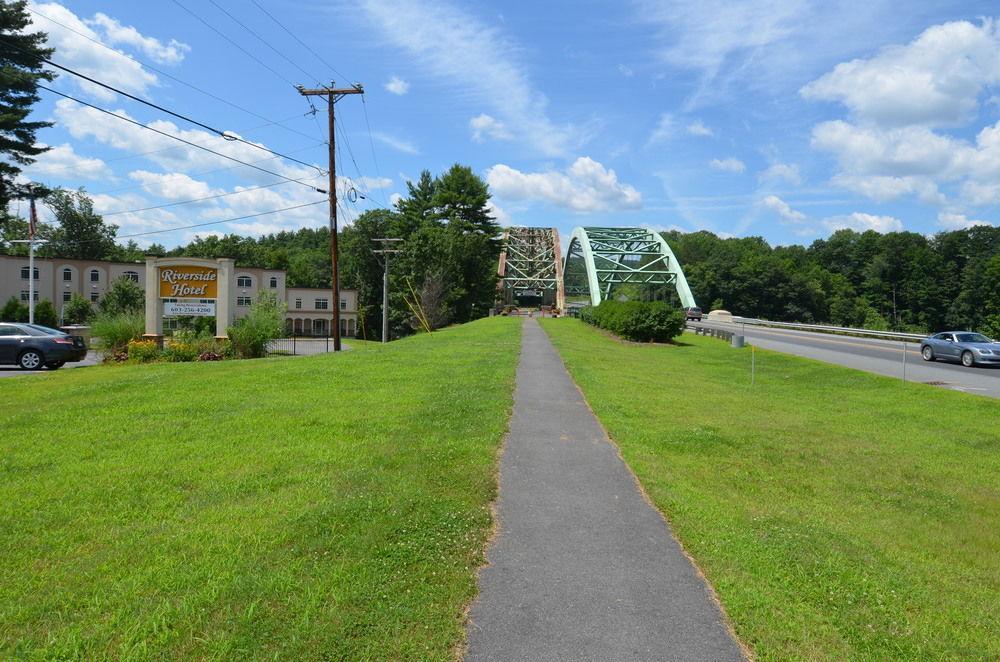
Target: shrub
(14, 311)
(45, 314)
(641, 321)
(124, 296)
(250, 336)
(179, 352)
(144, 351)
(77, 310)
(115, 331)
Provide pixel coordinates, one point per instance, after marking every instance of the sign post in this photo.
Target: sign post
(188, 287)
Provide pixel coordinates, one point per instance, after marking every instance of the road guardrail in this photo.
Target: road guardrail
(830, 329)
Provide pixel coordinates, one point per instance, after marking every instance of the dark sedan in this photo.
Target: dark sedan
(32, 346)
(968, 348)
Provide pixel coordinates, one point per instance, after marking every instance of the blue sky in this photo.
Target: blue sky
(785, 119)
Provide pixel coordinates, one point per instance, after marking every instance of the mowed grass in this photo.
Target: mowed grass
(839, 515)
(325, 507)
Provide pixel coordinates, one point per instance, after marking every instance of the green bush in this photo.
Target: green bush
(143, 351)
(14, 311)
(115, 331)
(641, 321)
(45, 314)
(180, 352)
(77, 310)
(124, 296)
(250, 336)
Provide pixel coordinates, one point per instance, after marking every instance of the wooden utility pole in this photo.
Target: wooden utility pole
(333, 95)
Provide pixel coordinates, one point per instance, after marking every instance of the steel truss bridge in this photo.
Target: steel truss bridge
(531, 262)
(598, 260)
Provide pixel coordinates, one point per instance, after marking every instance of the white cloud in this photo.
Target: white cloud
(782, 209)
(781, 172)
(625, 70)
(77, 52)
(499, 214)
(172, 52)
(397, 85)
(173, 185)
(63, 162)
(934, 80)
(951, 221)
(698, 128)
(586, 186)
(394, 199)
(730, 164)
(483, 125)
(398, 144)
(884, 188)
(480, 60)
(664, 130)
(861, 222)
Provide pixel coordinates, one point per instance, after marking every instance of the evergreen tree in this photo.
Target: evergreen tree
(21, 69)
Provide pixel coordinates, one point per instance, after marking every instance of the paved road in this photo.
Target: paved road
(884, 357)
(12, 370)
(583, 568)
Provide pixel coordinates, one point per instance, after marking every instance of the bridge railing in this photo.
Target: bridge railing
(831, 329)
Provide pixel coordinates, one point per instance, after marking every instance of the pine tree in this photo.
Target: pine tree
(21, 56)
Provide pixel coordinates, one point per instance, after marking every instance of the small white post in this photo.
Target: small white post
(904, 361)
(753, 365)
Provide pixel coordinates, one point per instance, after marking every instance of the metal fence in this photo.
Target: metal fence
(831, 329)
(300, 346)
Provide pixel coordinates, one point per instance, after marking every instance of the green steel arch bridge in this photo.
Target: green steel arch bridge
(599, 260)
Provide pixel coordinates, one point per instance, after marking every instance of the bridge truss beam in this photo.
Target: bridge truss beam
(531, 259)
(612, 256)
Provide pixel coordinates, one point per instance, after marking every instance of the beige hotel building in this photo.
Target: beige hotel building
(56, 279)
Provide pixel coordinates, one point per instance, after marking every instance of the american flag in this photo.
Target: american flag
(32, 221)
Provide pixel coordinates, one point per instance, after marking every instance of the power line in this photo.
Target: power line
(371, 142)
(212, 171)
(179, 139)
(168, 75)
(202, 199)
(262, 40)
(226, 135)
(223, 35)
(301, 43)
(201, 225)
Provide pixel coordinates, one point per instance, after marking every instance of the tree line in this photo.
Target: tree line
(901, 280)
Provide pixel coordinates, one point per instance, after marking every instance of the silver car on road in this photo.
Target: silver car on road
(969, 348)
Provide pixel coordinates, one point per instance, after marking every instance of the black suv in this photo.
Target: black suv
(31, 346)
(693, 313)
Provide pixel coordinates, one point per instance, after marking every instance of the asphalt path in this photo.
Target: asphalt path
(883, 357)
(582, 566)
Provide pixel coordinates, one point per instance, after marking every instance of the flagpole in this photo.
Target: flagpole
(31, 241)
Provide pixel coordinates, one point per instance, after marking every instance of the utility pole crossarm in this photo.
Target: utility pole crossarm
(333, 94)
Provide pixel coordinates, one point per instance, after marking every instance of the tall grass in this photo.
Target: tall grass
(115, 331)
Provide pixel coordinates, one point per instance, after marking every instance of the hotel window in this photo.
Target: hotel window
(322, 304)
(95, 296)
(67, 274)
(244, 301)
(274, 282)
(95, 276)
(24, 295)
(67, 296)
(343, 304)
(25, 271)
(132, 276)
(244, 281)
(298, 304)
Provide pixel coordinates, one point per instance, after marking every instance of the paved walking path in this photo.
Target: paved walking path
(582, 567)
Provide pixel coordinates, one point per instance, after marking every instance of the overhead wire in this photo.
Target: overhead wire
(145, 64)
(301, 43)
(193, 200)
(262, 40)
(178, 138)
(371, 142)
(226, 135)
(234, 43)
(200, 225)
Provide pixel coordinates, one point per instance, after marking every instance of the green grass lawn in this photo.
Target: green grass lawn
(324, 507)
(839, 514)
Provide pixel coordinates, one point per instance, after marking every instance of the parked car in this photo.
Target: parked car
(968, 348)
(32, 346)
(693, 313)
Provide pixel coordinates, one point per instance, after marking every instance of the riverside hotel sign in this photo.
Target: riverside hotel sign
(189, 282)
